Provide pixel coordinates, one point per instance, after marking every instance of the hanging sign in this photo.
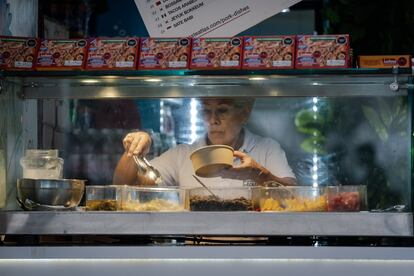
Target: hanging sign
(206, 18)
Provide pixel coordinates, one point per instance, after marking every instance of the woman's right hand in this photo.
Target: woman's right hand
(137, 143)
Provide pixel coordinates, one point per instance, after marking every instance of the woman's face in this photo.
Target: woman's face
(224, 121)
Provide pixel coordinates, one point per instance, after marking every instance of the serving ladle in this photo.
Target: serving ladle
(205, 186)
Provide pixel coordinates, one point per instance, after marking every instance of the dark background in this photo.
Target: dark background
(375, 26)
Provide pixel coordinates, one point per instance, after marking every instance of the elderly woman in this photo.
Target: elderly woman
(257, 159)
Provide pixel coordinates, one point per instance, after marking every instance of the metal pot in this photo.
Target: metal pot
(49, 194)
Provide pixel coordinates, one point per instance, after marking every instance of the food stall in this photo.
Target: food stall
(132, 240)
(347, 134)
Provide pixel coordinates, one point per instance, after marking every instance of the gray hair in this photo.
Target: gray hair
(240, 103)
(244, 102)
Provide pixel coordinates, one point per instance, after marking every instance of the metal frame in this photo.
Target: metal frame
(206, 223)
(205, 260)
(210, 86)
(241, 84)
(193, 83)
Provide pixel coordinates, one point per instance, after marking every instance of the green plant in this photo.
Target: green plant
(314, 124)
(387, 116)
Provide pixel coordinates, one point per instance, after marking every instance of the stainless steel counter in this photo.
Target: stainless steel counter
(206, 223)
(206, 260)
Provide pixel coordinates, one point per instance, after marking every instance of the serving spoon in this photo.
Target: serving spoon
(205, 186)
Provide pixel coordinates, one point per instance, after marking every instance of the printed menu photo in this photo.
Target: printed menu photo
(164, 53)
(322, 51)
(17, 53)
(61, 54)
(216, 53)
(268, 52)
(112, 53)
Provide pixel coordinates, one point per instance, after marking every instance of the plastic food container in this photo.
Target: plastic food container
(42, 164)
(103, 198)
(210, 160)
(224, 199)
(352, 198)
(293, 199)
(165, 199)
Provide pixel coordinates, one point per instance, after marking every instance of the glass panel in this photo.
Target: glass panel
(328, 141)
(188, 83)
(291, 72)
(11, 142)
(3, 132)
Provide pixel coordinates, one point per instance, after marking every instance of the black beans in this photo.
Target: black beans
(211, 203)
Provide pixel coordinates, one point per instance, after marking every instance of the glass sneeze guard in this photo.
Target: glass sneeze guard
(232, 83)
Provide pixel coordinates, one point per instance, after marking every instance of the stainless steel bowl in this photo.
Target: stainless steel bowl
(49, 194)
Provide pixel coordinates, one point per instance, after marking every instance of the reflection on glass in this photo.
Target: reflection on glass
(328, 141)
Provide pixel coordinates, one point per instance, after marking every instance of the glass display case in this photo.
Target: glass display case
(344, 128)
(337, 127)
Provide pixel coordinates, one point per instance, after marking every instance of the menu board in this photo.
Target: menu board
(206, 18)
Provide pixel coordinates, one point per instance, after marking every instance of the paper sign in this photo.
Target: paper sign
(206, 18)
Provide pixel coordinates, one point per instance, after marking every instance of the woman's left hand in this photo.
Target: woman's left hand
(248, 168)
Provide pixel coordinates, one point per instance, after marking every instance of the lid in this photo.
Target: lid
(42, 153)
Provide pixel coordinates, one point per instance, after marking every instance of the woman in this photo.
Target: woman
(258, 159)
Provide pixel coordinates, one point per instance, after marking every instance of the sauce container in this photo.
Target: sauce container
(155, 199)
(348, 198)
(103, 198)
(223, 199)
(293, 199)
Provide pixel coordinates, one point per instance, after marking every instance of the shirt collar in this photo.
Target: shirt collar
(249, 141)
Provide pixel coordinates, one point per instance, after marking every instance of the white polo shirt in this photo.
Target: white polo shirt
(176, 168)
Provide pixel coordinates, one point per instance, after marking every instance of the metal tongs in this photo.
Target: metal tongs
(395, 208)
(146, 169)
(30, 205)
